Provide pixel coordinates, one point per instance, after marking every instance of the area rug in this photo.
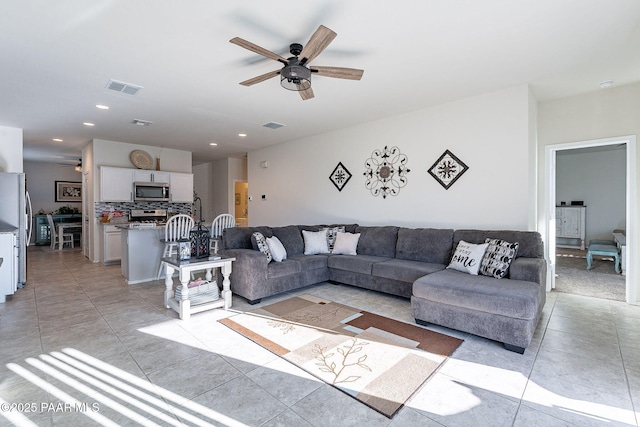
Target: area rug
(376, 360)
(601, 281)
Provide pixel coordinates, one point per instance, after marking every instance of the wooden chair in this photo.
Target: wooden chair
(219, 223)
(176, 229)
(56, 239)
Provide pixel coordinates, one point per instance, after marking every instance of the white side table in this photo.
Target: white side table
(184, 307)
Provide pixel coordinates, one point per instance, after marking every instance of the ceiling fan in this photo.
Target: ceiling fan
(296, 73)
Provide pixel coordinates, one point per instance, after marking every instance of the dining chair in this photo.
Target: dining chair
(56, 239)
(176, 229)
(219, 223)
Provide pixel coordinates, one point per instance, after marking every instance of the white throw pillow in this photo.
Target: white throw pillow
(346, 243)
(315, 242)
(468, 257)
(278, 252)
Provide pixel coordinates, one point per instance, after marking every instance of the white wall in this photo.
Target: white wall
(598, 115)
(596, 177)
(10, 149)
(490, 133)
(112, 153)
(41, 179)
(223, 174)
(203, 184)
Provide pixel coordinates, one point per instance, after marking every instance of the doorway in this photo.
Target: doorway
(551, 152)
(241, 200)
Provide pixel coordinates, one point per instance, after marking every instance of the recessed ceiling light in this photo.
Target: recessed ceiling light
(102, 107)
(213, 144)
(88, 124)
(57, 139)
(242, 135)
(606, 84)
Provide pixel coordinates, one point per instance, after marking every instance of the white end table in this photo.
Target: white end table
(184, 307)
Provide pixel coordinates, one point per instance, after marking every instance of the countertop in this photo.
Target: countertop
(6, 228)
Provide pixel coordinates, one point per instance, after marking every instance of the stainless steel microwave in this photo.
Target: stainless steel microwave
(150, 192)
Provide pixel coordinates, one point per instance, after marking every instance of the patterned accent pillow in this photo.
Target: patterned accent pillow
(498, 258)
(467, 257)
(261, 244)
(331, 236)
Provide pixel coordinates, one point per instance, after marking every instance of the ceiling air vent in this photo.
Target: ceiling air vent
(273, 125)
(128, 88)
(141, 122)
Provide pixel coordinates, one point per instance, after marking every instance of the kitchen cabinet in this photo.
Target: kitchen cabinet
(9, 267)
(571, 224)
(112, 244)
(151, 176)
(181, 187)
(42, 230)
(116, 184)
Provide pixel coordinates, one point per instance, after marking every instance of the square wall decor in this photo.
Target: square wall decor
(447, 169)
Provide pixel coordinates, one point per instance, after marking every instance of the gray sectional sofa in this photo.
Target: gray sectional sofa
(411, 263)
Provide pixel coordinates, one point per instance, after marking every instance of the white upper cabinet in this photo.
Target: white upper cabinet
(181, 188)
(116, 184)
(141, 175)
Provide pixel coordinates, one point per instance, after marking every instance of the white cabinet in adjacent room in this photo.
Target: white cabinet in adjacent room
(181, 187)
(116, 184)
(571, 224)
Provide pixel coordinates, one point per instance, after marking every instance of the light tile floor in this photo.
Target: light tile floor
(77, 335)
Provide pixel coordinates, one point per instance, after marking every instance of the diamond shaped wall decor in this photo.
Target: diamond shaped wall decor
(340, 176)
(447, 169)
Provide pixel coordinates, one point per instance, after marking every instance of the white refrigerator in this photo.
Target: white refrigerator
(15, 219)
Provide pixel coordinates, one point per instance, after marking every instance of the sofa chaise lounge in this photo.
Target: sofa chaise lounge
(408, 262)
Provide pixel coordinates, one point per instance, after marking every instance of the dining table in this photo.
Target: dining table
(61, 228)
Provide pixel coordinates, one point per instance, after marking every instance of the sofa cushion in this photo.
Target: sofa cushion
(498, 258)
(404, 270)
(356, 263)
(291, 238)
(530, 242)
(377, 241)
(310, 262)
(425, 244)
(519, 299)
(240, 237)
(468, 257)
(284, 268)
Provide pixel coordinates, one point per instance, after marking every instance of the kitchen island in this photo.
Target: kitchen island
(141, 253)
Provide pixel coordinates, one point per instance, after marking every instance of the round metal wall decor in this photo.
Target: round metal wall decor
(386, 172)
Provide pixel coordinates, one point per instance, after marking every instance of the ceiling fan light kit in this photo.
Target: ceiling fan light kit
(295, 75)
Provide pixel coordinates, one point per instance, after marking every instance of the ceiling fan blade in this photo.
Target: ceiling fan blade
(338, 72)
(316, 44)
(306, 94)
(257, 49)
(260, 78)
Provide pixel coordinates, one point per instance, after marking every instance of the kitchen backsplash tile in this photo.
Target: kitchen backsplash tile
(126, 207)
